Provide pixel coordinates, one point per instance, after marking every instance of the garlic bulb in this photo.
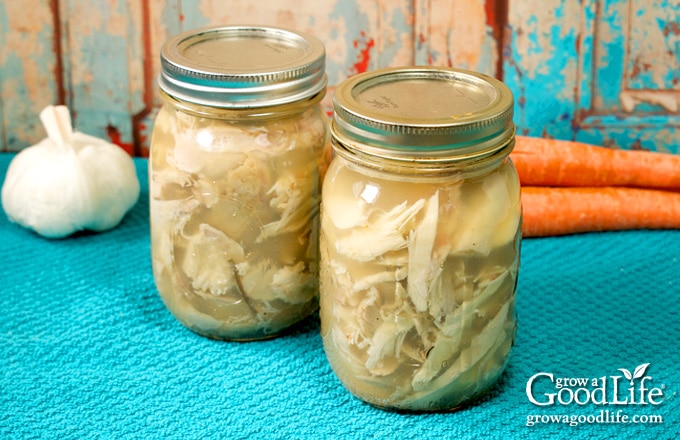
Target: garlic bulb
(69, 181)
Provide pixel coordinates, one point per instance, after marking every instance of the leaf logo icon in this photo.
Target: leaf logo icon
(638, 373)
(627, 374)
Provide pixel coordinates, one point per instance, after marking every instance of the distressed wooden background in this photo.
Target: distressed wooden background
(601, 71)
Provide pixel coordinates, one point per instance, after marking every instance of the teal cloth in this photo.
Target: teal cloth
(88, 350)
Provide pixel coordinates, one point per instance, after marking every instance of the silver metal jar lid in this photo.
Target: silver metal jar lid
(242, 66)
(414, 112)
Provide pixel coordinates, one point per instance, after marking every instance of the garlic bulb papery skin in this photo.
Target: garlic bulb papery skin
(69, 181)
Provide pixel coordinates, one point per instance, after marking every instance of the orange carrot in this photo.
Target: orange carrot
(561, 211)
(551, 162)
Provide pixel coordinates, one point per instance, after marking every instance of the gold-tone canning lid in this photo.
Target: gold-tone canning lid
(242, 66)
(423, 112)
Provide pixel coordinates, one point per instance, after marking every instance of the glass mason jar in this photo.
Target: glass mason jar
(236, 163)
(420, 237)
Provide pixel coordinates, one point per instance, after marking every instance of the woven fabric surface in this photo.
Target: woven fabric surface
(88, 350)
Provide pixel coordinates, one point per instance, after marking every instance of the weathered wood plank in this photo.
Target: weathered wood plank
(105, 67)
(635, 90)
(460, 33)
(27, 71)
(109, 64)
(541, 65)
(602, 71)
(358, 35)
(652, 58)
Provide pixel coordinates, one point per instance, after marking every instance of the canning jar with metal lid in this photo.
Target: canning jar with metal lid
(236, 163)
(420, 237)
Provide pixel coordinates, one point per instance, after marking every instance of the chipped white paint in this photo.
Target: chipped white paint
(652, 42)
(669, 100)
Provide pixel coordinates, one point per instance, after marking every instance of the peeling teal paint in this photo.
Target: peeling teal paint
(397, 22)
(662, 139)
(607, 71)
(172, 17)
(610, 54)
(487, 59)
(585, 42)
(569, 78)
(663, 70)
(186, 16)
(3, 25)
(355, 23)
(543, 78)
(23, 93)
(100, 82)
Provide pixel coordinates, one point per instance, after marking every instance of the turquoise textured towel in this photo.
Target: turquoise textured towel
(88, 350)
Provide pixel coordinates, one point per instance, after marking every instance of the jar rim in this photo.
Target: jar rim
(260, 113)
(423, 111)
(420, 164)
(242, 66)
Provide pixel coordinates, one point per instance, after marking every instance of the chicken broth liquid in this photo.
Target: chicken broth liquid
(418, 283)
(235, 219)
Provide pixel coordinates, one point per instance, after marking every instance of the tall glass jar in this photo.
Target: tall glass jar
(420, 237)
(236, 164)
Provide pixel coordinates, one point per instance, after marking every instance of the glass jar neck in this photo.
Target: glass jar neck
(265, 112)
(422, 165)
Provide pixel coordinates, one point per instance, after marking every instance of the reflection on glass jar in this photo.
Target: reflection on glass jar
(420, 237)
(235, 180)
